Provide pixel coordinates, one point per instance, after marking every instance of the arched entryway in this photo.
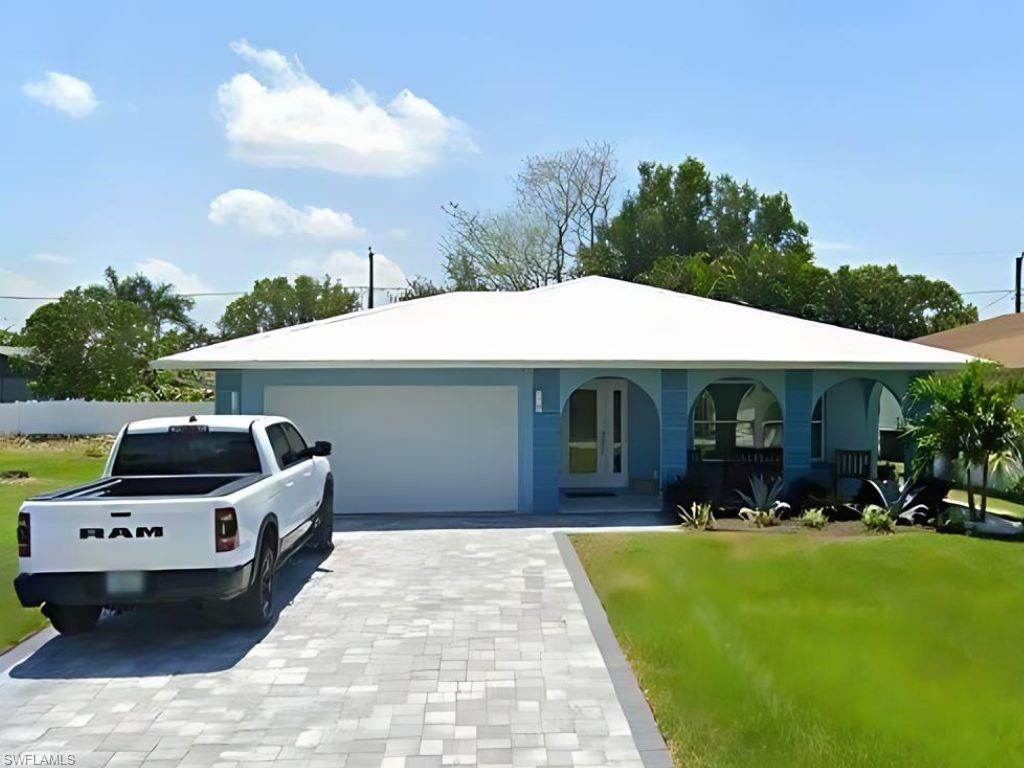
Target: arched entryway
(611, 447)
(857, 428)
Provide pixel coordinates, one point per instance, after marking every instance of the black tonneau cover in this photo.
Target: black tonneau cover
(156, 486)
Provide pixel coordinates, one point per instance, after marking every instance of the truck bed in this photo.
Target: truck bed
(153, 487)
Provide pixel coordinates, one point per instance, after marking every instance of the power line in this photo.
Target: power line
(220, 293)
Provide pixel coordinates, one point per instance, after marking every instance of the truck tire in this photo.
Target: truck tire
(72, 619)
(322, 538)
(256, 607)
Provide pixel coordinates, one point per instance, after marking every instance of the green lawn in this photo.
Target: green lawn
(1000, 506)
(810, 650)
(51, 466)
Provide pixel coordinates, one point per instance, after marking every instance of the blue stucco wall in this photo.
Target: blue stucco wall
(547, 441)
(675, 424)
(660, 407)
(644, 455)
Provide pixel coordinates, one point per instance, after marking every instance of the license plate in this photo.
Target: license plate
(126, 582)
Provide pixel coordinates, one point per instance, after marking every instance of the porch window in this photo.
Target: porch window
(818, 430)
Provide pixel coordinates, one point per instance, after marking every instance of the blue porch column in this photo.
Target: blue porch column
(796, 426)
(675, 424)
(547, 441)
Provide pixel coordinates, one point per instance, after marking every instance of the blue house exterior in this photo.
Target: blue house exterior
(592, 394)
(660, 428)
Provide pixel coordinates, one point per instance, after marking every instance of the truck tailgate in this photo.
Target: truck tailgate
(116, 535)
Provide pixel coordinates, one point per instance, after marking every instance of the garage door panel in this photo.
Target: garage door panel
(412, 449)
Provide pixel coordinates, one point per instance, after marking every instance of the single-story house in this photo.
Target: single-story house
(542, 400)
(14, 381)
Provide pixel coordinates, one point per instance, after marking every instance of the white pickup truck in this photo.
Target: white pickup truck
(192, 508)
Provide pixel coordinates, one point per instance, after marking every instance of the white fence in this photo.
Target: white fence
(85, 417)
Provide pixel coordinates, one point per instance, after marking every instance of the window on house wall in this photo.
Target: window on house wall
(818, 430)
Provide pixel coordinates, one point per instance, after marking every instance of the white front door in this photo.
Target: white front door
(594, 443)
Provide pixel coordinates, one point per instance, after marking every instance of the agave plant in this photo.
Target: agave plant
(700, 517)
(763, 507)
(904, 505)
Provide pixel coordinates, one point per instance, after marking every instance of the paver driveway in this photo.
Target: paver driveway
(410, 648)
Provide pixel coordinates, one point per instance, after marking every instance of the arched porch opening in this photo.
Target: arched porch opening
(857, 428)
(736, 427)
(611, 447)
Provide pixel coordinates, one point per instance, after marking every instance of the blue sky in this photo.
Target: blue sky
(895, 128)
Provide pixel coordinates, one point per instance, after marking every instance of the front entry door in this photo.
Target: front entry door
(595, 444)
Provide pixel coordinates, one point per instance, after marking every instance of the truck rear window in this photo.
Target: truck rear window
(186, 453)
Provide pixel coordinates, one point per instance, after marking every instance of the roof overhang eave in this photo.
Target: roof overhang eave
(171, 364)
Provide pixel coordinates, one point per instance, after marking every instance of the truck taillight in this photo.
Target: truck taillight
(225, 524)
(24, 535)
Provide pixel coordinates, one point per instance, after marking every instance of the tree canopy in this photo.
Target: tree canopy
(97, 342)
(278, 302)
(683, 230)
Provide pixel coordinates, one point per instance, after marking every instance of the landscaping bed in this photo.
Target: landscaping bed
(832, 647)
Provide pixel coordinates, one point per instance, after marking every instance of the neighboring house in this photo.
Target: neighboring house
(540, 400)
(14, 385)
(1000, 339)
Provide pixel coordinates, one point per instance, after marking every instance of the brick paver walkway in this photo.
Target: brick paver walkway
(412, 648)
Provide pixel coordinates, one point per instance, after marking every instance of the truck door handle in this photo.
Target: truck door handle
(289, 484)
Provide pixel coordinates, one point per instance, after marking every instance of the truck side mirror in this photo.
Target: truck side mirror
(321, 448)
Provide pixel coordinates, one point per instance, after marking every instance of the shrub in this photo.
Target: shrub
(762, 518)
(876, 518)
(700, 517)
(813, 518)
(763, 507)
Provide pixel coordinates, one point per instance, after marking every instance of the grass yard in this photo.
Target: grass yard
(806, 649)
(50, 465)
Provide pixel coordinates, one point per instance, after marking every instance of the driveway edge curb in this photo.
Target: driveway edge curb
(25, 647)
(649, 742)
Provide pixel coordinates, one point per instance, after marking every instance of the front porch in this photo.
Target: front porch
(619, 437)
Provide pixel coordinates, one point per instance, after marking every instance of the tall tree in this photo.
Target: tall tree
(279, 302)
(881, 299)
(683, 230)
(680, 212)
(97, 342)
(89, 346)
(562, 201)
(167, 308)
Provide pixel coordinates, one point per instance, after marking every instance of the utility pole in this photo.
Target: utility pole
(370, 292)
(1016, 293)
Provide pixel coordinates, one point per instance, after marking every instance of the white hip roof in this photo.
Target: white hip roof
(589, 322)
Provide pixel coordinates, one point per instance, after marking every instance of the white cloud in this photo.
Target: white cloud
(280, 116)
(65, 93)
(260, 214)
(350, 268)
(163, 271)
(51, 258)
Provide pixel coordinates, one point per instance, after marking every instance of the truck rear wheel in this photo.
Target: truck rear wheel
(322, 539)
(72, 619)
(256, 607)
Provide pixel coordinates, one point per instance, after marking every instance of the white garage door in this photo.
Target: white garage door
(411, 449)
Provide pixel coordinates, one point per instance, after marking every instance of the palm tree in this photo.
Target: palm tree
(969, 415)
